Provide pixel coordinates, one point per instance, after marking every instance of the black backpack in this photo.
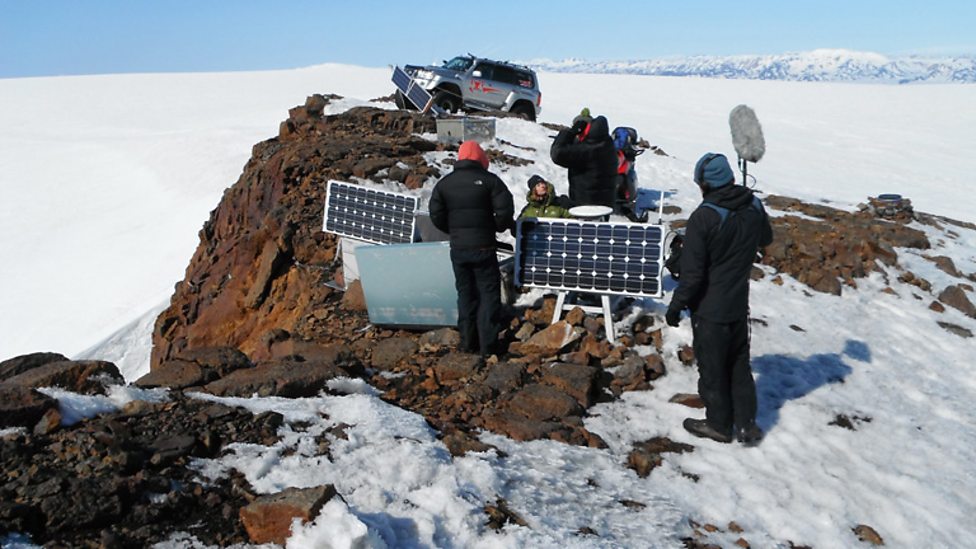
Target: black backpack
(673, 262)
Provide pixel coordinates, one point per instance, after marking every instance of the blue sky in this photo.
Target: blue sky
(58, 37)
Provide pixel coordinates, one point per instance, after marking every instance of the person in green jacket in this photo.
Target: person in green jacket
(542, 200)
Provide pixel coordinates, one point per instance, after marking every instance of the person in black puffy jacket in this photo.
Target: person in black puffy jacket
(587, 151)
(471, 204)
(722, 238)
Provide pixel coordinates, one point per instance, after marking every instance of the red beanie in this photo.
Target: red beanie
(471, 150)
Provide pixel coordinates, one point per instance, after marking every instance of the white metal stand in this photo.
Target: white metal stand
(561, 306)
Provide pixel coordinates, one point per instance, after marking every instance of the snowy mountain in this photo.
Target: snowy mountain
(823, 65)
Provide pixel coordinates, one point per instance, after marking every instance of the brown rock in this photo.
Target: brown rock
(956, 329)
(593, 325)
(50, 422)
(285, 379)
(268, 518)
(505, 376)
(550, 340)
(354, 299)
(81, 376)
(595, 347)
(543, 402)
(219, 361)
(687, 399)
(686, 354)
(20, 364)
(390, 351)
(460, 443)
(646, 455)
(23, 406)
(629, 376)
(955, 297)
(937, 307)
(175, 374)
(455, 366)
(517, 426)
(575, 316)
(525, 332)
(946, 265)
(653, 367)
(576, 380)
(444, 337)
(868, 534)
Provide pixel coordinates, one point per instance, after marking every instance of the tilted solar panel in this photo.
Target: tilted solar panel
(382, 217)
(597, 257)
(417, 95)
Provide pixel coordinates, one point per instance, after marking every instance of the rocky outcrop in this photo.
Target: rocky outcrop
(263, 261)
(835, 247)
(82, 376)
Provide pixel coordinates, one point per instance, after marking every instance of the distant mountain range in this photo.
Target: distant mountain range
(824, 65)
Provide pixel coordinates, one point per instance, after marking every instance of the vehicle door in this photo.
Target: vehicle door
(482, 86)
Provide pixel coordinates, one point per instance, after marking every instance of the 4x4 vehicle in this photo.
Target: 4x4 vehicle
(475, 84)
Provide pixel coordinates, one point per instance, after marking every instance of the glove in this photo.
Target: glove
(673, 317)
(578, 127)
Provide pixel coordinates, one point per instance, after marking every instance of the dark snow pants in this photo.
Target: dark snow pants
(478, 284)
(725, 381)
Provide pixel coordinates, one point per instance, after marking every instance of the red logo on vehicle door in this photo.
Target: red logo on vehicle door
(480, 86)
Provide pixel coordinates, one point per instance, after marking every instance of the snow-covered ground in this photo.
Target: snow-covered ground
(106, 181)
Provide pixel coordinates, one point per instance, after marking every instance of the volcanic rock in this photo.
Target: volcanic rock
(955, 297)
(22, 406)
(285, 379)
(268, 518)
(82, 376)
(20, 364)
(388, 352)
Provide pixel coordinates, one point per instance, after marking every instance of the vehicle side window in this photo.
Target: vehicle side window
(524, 79)
(505, 75)
(487, 71)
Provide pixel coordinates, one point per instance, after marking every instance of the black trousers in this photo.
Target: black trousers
(478, 286)
(725, 381)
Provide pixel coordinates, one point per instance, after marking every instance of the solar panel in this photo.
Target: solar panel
(382, 217)
(589, 256)
(417, 95)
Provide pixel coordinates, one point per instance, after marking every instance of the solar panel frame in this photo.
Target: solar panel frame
(589, 256)
(415, 93)
(367, 214)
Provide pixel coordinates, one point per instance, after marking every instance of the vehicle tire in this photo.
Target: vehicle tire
(448, 101)
(524, 111)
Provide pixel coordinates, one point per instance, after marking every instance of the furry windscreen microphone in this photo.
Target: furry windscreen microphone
(747, 135)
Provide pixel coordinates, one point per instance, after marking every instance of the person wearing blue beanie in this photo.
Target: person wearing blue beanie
(713, 171)
(721, 240)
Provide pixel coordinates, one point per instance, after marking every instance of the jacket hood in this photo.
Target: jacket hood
(599, 129)
(471, 150)
(732, 197)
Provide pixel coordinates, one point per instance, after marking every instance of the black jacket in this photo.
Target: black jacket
(717, 257)
(471, 204)
(592, 163)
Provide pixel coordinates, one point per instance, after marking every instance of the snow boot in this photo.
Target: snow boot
(701, 428)
(750, 435)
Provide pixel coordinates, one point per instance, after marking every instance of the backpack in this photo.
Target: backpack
(673, 262)
(625, 141)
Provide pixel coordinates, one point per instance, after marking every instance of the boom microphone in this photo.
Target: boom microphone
(747, 135)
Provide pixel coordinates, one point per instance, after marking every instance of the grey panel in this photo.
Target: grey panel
(409, 284)
(597, 257)
(382, 217)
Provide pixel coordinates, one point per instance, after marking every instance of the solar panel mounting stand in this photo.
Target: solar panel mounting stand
(561, 306)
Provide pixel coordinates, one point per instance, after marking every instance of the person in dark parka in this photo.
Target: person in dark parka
(716, 261)
(586, 149)
(471, 204)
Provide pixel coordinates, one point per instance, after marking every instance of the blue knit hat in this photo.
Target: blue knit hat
(713, 171)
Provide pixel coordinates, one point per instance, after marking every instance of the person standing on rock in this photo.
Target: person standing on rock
(587, 150)
(721, 240)
(471, 204)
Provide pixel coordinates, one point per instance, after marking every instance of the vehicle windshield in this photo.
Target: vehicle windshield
(459, 64)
